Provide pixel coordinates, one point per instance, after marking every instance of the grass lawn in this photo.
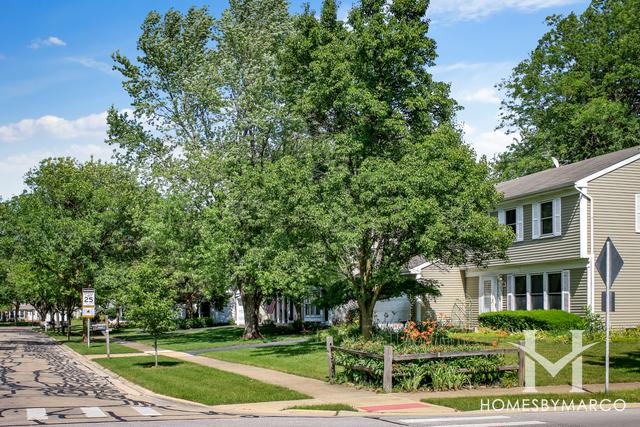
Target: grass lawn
(624, 358)
(196, 339)
(97, 346)
(308, 359)
(197, 383)
(474, 403)
(13, 324)
(326, 407)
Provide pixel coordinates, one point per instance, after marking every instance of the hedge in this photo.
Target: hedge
(519, 320)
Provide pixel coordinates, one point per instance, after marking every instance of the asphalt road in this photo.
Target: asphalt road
(44, 383)
(626, 418)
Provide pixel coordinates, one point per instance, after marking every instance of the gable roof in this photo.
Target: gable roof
(563, 176)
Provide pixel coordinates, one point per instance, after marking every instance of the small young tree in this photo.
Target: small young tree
(150, 304)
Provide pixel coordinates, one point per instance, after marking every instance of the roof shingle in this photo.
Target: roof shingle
(563, 176)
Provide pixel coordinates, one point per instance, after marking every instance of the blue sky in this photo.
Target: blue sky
(56, 80)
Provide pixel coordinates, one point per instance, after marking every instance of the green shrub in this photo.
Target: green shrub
(592, 322)
(519, 320)
(438, 374)
(447, 377)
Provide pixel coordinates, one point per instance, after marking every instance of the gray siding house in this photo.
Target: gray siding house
(561, 218)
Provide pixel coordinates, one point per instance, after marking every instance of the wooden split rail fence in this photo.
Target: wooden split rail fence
(390, 358)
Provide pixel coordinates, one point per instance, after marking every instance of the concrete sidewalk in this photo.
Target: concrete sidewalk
(363, 400)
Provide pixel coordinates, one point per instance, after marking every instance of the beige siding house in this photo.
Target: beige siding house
(561, 218)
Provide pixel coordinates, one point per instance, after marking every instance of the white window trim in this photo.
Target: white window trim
(502, 220)
(511, 292)
(565, 293)
(556, 219)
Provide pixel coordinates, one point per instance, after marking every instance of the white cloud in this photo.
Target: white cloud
(92, 63)
(471, 66)
(467, 10)
(14, 167)
(92, 126)
(49, 41)
(483, 95)
(491, 142)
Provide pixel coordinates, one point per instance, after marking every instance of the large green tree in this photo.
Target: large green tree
(74, 220)
(578, 93)
(213, 93)
(393, 178)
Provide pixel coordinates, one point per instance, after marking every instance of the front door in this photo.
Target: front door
(488, 294)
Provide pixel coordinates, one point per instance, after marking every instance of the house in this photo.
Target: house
(561, 218)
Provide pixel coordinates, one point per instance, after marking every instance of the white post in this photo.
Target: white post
(608, 321)
(106, 321)
(88, 331)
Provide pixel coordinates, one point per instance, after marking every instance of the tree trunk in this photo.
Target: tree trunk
(17, 307)
(155, 348)
(251, 305)
(69, 324)
(366, 318)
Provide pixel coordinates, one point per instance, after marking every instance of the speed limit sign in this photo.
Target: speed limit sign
(88, 302)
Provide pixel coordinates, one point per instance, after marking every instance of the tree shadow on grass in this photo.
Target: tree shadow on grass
(210, 336)
(161, 363)
(289, 350)
(628, 361)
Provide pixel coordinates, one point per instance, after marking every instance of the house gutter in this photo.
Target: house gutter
(591, 278)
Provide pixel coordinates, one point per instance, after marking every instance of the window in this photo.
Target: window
(520, 293)
(510, 219)
(537, 292)
(311, 309)
(554, 294)
(546, 217)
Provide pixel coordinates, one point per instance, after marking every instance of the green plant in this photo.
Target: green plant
(412, 375)
(447, 377)
(592, 322)
(519, 320)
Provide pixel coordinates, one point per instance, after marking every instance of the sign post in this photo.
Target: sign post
(106, 322)
(88, 309)
(609, 264)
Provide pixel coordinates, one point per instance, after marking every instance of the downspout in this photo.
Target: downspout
(592, 282)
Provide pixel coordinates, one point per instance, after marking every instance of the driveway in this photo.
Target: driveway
(43, 382)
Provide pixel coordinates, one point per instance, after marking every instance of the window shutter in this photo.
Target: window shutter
(519, 224)
(557, 219)
(637, 213)
(510, 291)
(566, 290)
(480, 296)
(502, 218)
(535, 222)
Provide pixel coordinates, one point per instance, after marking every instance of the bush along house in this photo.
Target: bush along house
(561, 218)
